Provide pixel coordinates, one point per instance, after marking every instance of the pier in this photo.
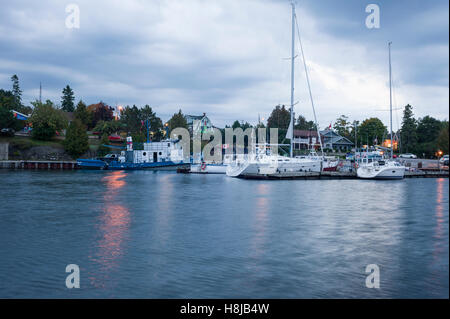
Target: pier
(41, 165)
(426, 173)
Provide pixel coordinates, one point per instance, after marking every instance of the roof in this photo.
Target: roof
(305, 133)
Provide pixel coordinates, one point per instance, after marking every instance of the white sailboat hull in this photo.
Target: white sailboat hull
(209, 168)
(388, 172)
(286, 169)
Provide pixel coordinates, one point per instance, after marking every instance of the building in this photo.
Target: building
(306, 140)
(199, 124)
(333, 140)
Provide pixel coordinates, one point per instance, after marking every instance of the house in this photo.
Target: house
(305, 140)
(333, 140)
(199, 123)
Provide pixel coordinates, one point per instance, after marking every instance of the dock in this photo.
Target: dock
(41, 165)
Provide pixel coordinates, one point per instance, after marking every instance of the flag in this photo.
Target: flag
(329, 127)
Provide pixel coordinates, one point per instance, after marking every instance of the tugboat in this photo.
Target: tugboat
(164, 155)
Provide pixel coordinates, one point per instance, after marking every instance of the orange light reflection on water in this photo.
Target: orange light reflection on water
(114, 226)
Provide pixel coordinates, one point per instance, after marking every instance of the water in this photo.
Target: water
(165, 235)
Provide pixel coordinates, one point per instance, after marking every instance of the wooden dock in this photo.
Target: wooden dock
(41, 165)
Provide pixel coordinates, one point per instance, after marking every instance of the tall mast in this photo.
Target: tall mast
(292, 78)
(390, 99)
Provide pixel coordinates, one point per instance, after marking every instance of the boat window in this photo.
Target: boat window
(160, 153)
(145, 154)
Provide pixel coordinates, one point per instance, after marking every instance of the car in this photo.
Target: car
(407, 155)
(444, 159)
(7, 132)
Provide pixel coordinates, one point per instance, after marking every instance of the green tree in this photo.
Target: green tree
(236, 124)
(155, 123)
(428, 129)
(7, 119)
(442, 140)
(102, 149)
(279, 118)
(408, 131)
(342, 126)
(372, 131)
(107, 128)
(67, 99)
(16, 92)
(303, 124)
(81, 113)
(46, 120)
(7, 99)
(177, 120)
(76, 142)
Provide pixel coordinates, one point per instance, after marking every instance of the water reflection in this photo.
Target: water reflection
(261, 219)
(113, 225)
(439, 231)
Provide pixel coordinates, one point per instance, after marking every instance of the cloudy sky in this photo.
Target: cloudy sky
(228, 57)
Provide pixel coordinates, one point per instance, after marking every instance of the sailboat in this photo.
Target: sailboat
(261, 163)
(383, 169)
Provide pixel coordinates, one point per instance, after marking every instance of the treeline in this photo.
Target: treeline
(48, 119)
(423, 136)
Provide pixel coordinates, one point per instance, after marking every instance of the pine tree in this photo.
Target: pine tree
(17, 92)
(408, 130)
(67, 100)
(76, 142)
(82, 113)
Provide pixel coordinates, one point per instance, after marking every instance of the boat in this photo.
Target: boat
(380, 169)
(383, 169)
(164, 155)
(262, 162)
(203, 167)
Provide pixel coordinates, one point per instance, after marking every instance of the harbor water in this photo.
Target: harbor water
(144, 234)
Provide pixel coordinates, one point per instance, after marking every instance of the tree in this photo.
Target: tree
(107, 128)
(236, 124)
(442, 140)
(16, 92)
(342, 126)
(46, 120)
(102, 149)
(67, 99)
(279, 118)
(7, 119)
(408, 134)
(177, 120)
(7, 100)
(372, 131)
(303, 124)
(82, 114)
(134, 120)
(101, 112)
(76, 142)
(428, 129)
(155, 123)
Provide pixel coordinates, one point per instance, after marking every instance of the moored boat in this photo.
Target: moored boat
(164, 155)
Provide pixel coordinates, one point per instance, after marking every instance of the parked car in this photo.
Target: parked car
(443, 160)
(407, 155)
(7, 132)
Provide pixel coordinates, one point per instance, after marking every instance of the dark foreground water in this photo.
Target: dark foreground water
(167, 235)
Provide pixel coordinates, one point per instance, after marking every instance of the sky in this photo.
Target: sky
(229, 58)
